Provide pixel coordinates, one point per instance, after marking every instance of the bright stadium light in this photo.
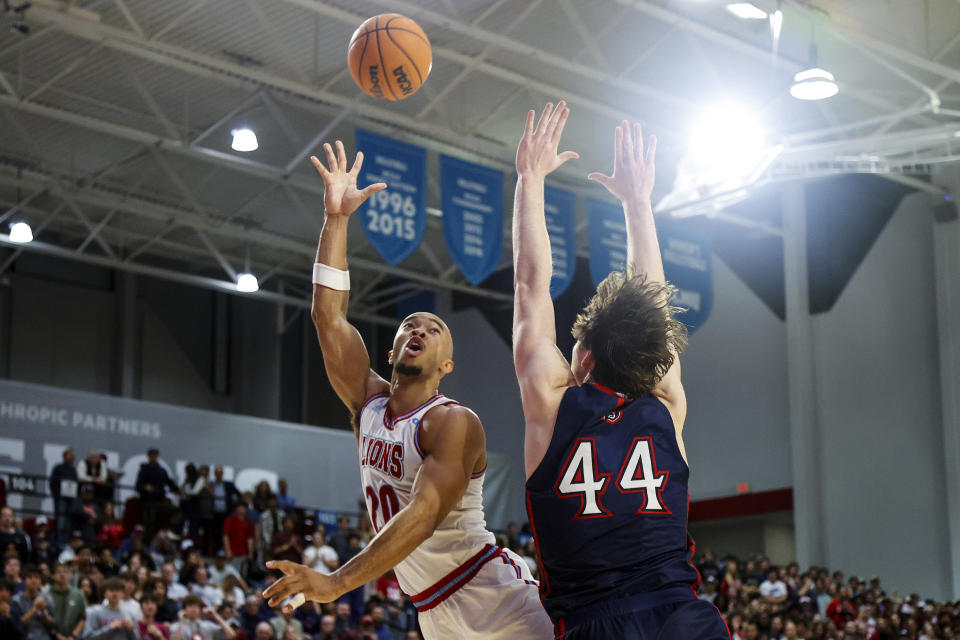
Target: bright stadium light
(814, 84)
(247, 283)
(21, 233)
(727, 140)
(746, 11)
(244, 140)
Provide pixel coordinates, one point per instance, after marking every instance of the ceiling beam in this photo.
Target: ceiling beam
(504, 43)
(152, 210)
(230, 73)
(184, 278)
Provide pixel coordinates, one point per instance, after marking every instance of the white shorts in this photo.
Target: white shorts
(500, 601)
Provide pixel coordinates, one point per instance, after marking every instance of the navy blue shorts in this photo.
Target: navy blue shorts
(669, 614)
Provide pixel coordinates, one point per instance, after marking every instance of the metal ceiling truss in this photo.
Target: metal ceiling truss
(273, 91)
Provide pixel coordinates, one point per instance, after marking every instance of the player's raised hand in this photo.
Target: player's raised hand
(341, 197)
(633, 166)
(298, 578)
(537, 153)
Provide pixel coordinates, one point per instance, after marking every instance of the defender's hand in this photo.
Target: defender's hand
(301, 579)
(633, 169)
(537, 154)
(341, 196)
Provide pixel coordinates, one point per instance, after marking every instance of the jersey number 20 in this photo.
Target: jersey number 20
(582, 479)
(387, 504)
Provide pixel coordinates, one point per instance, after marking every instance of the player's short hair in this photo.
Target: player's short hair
(630, 327)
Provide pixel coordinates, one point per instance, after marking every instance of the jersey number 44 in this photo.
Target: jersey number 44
(581, 478)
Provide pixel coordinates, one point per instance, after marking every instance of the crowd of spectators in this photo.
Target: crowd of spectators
(180, 562)
(763, 602)
(195, 570)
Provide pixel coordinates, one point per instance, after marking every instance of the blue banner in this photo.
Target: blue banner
(685, 251)
(328, 518)
(608, 238)
(559, 210)
(393, 219)
(472, 216)
(687, 264)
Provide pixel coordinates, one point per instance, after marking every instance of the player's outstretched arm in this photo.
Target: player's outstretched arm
(344, 354)
(454, 447)
(634, 172)
(542, 371)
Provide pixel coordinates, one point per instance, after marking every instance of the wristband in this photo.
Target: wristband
(329, 277)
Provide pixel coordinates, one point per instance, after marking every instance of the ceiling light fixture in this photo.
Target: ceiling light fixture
(244, 140)
(247, 283)
(814, 83)
(746, 11)
(21, 233)
(776, 24)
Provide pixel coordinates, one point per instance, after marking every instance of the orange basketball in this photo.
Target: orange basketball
(389, 56)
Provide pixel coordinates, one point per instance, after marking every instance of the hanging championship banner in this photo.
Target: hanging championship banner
(472, 216)
(685, 251)
(559, 209)
(393, 219)
(608, 238)
(687, 265)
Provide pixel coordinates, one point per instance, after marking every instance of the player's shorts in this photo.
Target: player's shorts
(492, 596)
(674, 613)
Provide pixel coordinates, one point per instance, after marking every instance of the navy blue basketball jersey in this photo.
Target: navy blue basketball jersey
(608, 503)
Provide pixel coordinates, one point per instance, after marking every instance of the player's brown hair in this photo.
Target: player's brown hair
(630, 326)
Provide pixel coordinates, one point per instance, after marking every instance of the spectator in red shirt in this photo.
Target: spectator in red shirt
(840, 609)
(238, 533)
(111, 529)
(148, 626)
(388, 588)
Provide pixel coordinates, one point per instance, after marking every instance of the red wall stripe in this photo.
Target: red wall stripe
(747, 504)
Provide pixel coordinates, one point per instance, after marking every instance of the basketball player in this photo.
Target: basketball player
(606, 469)
(422, 459)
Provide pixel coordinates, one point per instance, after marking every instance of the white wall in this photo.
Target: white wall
(735, 376)
(877, 383)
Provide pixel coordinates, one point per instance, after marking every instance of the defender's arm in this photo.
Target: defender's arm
(542, 371)
(344, 354)
(454, 447)
(632, 182)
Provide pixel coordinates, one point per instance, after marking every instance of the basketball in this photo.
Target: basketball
(389, 56)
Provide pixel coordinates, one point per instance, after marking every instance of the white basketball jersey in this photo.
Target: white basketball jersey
(390, 457)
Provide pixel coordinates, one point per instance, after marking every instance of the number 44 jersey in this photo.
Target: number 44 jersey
(390, 457)
(608, 502)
